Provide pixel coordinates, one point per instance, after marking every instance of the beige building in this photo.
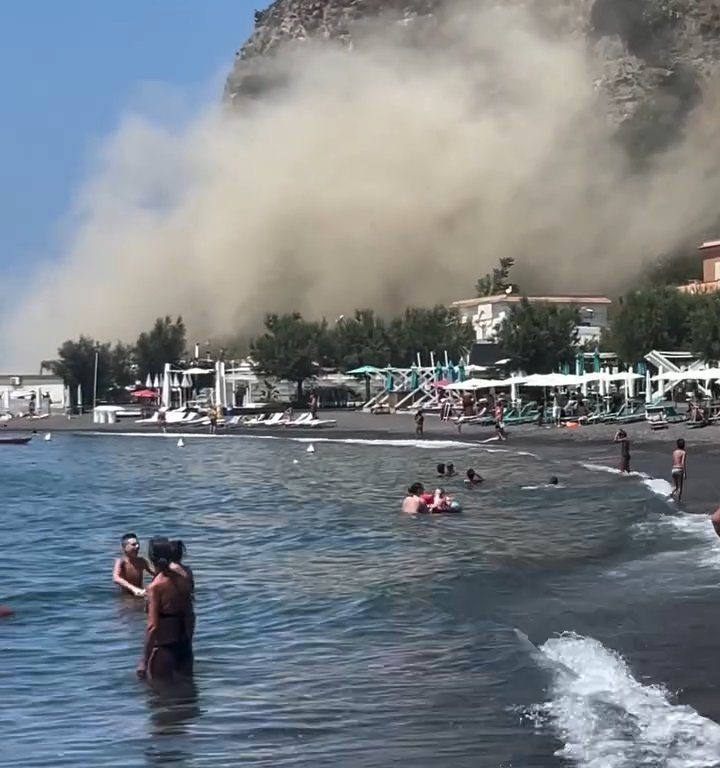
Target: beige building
(710, 283)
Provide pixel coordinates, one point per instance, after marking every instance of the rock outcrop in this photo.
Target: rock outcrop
(651, 56)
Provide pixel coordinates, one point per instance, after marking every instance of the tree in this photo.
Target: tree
(361, 340)
(422, 331)
(539, 338)
(164, 343)
(704, 327)
(652, 319)
(496, 281)
(291, 348)
(76, 366)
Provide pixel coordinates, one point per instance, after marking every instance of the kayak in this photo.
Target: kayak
(15, 440)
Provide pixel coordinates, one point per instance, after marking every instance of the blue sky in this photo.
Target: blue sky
(69, 70)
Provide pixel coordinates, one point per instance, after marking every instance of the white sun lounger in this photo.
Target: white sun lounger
(301, 420)
(320, 423)
(274, 420)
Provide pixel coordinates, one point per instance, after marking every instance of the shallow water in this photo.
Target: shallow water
(542, 627)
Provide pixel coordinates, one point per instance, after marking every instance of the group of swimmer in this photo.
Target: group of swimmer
(167, 650)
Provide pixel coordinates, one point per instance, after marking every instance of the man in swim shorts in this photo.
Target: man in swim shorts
(129, 569)
(413, 503)
(679, 470)
(622, 438)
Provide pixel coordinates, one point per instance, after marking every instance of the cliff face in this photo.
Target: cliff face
(650, 57)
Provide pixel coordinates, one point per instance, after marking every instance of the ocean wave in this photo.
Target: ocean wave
(608, 719)
(656, 485)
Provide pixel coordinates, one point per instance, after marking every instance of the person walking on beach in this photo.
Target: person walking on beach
(419, 423)
(622, 438)
(168, 651)
(679, 470)
(129, 569)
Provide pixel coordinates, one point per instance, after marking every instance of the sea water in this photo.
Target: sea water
(542, 627)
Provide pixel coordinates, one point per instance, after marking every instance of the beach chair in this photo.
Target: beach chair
(302, 421)
(632, 415)
(528, 414)
(320, 423)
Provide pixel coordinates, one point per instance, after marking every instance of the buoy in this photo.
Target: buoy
(311, 448)
(295, 461)
(48, 436)
(180, 442)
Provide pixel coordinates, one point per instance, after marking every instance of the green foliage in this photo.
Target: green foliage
(164, 343)
(291, 348)
(704, 324)
(496, 281)
(538, 338)
(361, 340)
(653, 319)
(76, 366)
(429, 330)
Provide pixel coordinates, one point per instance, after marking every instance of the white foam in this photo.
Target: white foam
(607, 719)
(657, 485)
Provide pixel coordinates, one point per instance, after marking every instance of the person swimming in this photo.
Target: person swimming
(450, 470)
(440, 502)
(129, 569)
(168, 648)
(441, 470)
(413, 503)
(472, 478)
(553, 481)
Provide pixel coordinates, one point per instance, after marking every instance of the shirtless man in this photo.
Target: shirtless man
(679, 470)
(622, 438)
(128, 570)
(413, 503)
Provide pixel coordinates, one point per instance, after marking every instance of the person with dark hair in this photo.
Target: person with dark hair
(472, 478)
(168, 649)
(129, 569)
(413, 503)
(679, 470)
(177, 552)
(450, 470)
(441, 470)
(622, 438)
(553, 480)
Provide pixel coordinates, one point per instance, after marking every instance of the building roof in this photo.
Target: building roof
(515, 298)
(31, 378)
(709, 244)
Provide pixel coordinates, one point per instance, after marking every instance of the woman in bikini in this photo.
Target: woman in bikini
(171, 620)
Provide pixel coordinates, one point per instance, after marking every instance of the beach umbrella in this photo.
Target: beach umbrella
(596, 361)
(389, 380)
(176, 381)
(186, 382)
(156, 382)
(364, 370)
(461, 371)
(148, 381)
(580, 363)
(144, 394)
(414, 377)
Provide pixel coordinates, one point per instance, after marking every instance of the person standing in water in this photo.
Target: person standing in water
(413, 503)
(177, 552)
(622, 438)
(129, 569)
(419, 423)
(168, 651)
(679, 470)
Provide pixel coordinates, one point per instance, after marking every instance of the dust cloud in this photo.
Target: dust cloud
(391, 175)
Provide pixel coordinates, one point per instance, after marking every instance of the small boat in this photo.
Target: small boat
(15, 440)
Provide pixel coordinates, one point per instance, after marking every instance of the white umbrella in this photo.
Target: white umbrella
(176, 381)
(148, 381)
(470, 385)
(156, 382)
(186, 382)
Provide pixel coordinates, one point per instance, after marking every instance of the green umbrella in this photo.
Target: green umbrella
(414, 378)
(364, 370)
(580, 363)
(389, 381)
(461, 371)
(596, 361)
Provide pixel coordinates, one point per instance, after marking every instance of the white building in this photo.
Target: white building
(486, 313)
(16, 391)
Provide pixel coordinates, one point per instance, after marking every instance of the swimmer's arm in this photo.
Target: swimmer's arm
(118, 579)
(147, 567)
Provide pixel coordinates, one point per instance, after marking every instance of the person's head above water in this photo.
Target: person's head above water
(681, 444)
(177, 550)
(553, 480)
(441, 469)
(450, 469)
(416, 489)
(130, 544)
(160, 552)
(470, 474)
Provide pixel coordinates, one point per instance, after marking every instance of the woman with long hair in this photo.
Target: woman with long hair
(168, 649)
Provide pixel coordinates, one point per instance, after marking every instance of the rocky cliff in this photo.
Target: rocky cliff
(650, 57)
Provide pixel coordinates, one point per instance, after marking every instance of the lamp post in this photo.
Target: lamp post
(95, 378)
